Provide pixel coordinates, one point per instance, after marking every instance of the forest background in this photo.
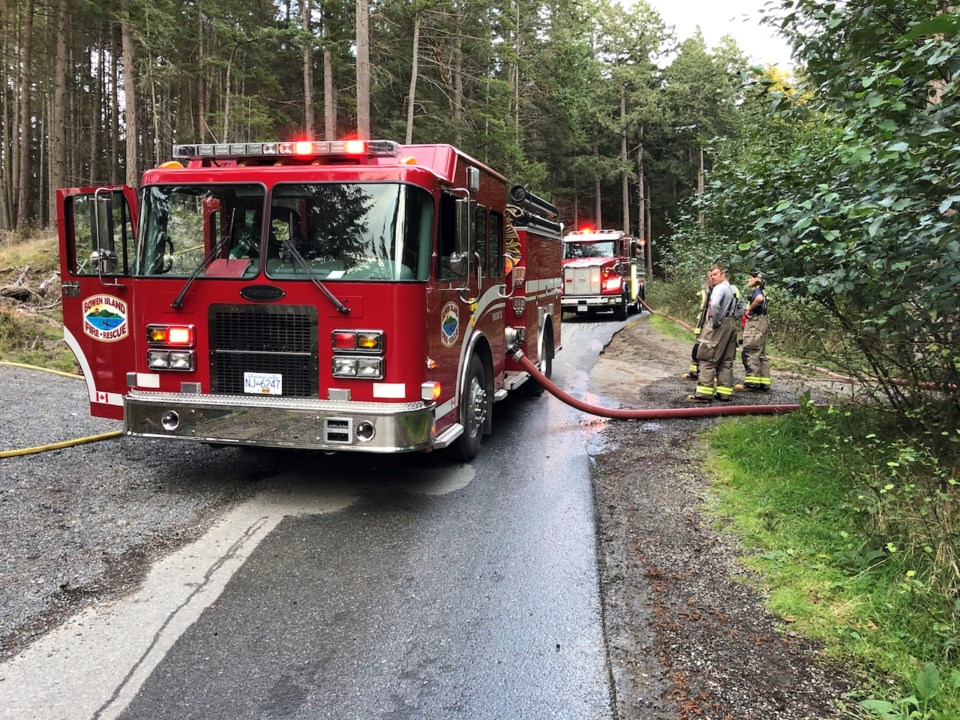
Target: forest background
(576, 99)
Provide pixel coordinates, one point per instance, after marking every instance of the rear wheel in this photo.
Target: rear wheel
(474, 406)
(531, 388)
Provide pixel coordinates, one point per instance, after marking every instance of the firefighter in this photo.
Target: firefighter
(756, 328)
(718, 342)
(694, 370)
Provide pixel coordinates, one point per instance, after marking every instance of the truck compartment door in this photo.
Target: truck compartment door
(97, 228)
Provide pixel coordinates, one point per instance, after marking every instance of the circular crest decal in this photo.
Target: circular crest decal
(449, 324)
(105, 318)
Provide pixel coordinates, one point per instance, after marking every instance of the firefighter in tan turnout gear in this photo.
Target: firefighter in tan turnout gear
(756, 328)
(718, 342)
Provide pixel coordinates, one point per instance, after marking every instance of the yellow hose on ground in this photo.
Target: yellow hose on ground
(8, 363)
(57, 445)
(60, 445)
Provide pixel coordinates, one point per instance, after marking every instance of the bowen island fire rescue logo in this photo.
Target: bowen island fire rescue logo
(105, 318)
(449, 324)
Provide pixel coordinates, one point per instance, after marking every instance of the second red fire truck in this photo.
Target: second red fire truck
(324, 295)
(602, 270)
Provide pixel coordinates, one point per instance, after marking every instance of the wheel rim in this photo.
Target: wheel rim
(476, 407)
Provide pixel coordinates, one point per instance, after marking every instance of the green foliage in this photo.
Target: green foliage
(855, 536)
(850, 202)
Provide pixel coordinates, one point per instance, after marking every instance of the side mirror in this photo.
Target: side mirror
(460, 263)
(104, 256)
(466, 217)
(473, 179)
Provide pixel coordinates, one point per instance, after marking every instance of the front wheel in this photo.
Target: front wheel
(474, 406)
(620, 311)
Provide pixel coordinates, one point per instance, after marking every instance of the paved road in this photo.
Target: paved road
(366, 587)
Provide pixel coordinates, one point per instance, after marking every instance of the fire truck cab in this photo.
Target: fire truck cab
(341, 295)
(602, 269)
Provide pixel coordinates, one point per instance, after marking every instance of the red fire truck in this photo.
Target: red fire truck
(324, 295)
(602, 269)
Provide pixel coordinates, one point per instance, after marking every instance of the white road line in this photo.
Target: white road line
(93, 665)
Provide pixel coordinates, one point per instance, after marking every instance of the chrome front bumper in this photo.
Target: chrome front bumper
(590, 301)
(285, 422)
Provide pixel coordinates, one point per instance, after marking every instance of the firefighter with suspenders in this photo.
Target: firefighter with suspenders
(718, 342)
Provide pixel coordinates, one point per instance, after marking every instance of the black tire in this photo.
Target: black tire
(531, 388)
(474, 406)
(620, 311)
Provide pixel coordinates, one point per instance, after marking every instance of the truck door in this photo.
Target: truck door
(97, 245)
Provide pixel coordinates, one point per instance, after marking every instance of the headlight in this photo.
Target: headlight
(370, 368)
(344, 367)
(170, 360)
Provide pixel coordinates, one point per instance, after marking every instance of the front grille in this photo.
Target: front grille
(280, 339)
(582, 281)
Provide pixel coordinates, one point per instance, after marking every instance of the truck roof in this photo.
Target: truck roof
(440, 159)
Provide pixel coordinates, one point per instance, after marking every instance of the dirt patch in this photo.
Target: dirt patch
(686, 628)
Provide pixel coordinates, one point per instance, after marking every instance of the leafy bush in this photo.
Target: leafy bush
(851, 203)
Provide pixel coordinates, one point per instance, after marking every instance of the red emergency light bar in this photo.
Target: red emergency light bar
(300, 149)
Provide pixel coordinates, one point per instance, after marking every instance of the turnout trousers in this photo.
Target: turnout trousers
(754, 352)
(718, 348)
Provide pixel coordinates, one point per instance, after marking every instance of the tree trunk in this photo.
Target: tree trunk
(649, 235)
(202, 81)
(23, 174)
(43, 171)
(641, 196)
(58, 121)
(114, 110)
(308, 120)
(363, 69)
(458, 101)
(515, 73)
(97, 112)
(624, 176)
(700, 187)
(130, 91)
(597, 213)
(329, 85)
(226, 96)
(6, 165)
(414, 71)
(4, 122)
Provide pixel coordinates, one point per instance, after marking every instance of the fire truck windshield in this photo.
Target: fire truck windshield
(350, 231)
(606, 249)
(184, 225)
(341, 231)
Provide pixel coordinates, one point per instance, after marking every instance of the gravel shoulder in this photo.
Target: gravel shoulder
(686, 627)
(82, 525)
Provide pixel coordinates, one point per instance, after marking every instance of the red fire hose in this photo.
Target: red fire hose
(655, 414)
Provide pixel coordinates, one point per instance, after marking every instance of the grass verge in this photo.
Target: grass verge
(850, 550)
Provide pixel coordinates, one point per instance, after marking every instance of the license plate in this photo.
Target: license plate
(263, 383)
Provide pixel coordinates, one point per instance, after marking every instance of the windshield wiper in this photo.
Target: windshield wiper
(305, 266)
(178, 300)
